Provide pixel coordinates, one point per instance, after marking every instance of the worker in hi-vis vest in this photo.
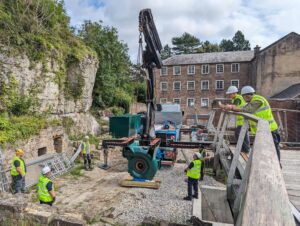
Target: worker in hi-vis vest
(260, 107)
(18, 172)
(193, 171)
(86, 152)
(239, 102)
(46, 191)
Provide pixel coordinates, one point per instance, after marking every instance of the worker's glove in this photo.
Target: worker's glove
(92, 156)
(54, 199)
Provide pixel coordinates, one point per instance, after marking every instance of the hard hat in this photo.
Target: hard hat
(86, 137)
(19, 151)
(198, 155)
(46, 169)
(247, 89)
(232, 89)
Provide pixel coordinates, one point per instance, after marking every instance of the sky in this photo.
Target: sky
(262, 21)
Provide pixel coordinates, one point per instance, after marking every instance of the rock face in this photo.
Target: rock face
(47, 81)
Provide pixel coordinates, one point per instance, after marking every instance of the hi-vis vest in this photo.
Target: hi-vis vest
(43, 192)
(86, 146)
(264, 112)
(239, 119)
(195, 172)
(13, 170)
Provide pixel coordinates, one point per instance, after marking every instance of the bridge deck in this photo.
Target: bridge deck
(290, 161)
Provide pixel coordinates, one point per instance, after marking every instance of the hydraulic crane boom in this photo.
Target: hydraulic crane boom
(151, 59)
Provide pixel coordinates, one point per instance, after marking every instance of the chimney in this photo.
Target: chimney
(256, 50)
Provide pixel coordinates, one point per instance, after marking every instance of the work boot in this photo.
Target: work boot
(187, 198)
(195, 196)
(86, 167)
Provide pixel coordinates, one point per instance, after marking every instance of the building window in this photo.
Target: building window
(220, 68)
(205, 69)
(176, 70)
(235, 68)
(176, 100)
(190, 102)
(204, 102)
(163, 100)
(177, 86)
(163, 86)
(235, 83)
(164, 71)
(204, 85)
(191, 69)
(190, 85)
(219, 84)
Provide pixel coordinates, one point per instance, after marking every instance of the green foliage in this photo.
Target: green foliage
(12, 101)
(208, 47)
(41, 30)
(238, 43)
(185, 44)
(112, 86)
(68, 123)
(20, 128)
(166, 52)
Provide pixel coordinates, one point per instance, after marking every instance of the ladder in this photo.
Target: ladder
(59, 165)
(4, 184)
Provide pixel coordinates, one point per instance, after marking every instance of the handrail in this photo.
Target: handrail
(262, 197)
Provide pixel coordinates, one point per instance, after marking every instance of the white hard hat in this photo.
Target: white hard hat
(247, 89)
(198, 155)
(46, 169)
(232, 89)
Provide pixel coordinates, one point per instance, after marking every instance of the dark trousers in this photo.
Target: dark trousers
(18, 184)
(192, 183)
(202, 171)
(276, 139)
(87, 160)
(246, 143)
(47, 203)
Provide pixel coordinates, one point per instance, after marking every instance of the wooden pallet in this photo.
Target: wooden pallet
(128, 182)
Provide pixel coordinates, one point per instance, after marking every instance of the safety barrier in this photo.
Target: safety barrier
(255, 185)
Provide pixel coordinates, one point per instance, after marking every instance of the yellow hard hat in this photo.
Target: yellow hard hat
(19, 151)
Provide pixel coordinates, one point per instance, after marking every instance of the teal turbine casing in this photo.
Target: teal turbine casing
(141, 165)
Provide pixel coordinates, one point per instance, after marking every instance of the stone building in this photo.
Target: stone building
(195, 80)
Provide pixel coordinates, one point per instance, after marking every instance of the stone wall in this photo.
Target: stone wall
(17, 211)
(277, 67)
(50, 140)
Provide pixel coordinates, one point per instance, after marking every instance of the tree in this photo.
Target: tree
(185, 44)
(226, 45)
(113, 76)
(166, 52)
(208, 47)
(238, 43)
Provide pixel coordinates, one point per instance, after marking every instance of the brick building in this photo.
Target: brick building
(195, 80)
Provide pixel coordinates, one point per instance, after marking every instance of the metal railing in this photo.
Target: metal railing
(257, 194)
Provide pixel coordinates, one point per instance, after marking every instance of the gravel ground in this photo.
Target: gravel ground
(166, 203)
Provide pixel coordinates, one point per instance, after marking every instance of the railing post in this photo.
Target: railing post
(234, 163)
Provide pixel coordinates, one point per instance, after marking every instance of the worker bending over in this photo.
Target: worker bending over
(46, 191)
(260, 107)
(18, 172)
(239, 102)
(193, 171)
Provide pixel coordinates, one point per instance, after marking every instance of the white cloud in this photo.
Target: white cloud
(262, 22)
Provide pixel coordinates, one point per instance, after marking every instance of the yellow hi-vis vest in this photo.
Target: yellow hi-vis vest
(264, 112)
(195, 172)
(43, 192)
(86, 145)
(13, 170)
(239, 119)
